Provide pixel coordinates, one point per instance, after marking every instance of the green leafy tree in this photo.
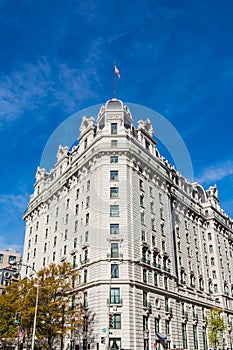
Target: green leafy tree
(59, 307)
(216, 326)
(11, 302)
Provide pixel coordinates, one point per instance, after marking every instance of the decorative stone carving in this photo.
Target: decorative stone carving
(146, 125)
(40, 173)
(62, 151)
(86, 124)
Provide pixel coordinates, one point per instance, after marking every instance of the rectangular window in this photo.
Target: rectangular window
(76, 225)
(114, 271)
(76, 209)
(147, 145)
(144, 275)
(145, 323)
(66, 234)
(166, 304)
(184, 336)
(114, 210)
(74, 265)
(87, 218)
(114, 143)
(153, 224)
(67, 218)
(142, 218)
(114, 159)
(85, 276)
(114, 250)
(116, 321)
(86, 260)
(156, 279)
(47, 219)
(143, 235)
(113, 128)
(64, 250)
(161, 213)
(152, 206)
(211, 250)
(114, 192)
(67, 203)
(85, 299)
(55, 241)
(86, 236)
(114, 175)
(11, 259)
(145, 302)
(75, 242)
(115, 296)
(114, 229)
(46, 232)
(85, 143)
(167, 327)
(77, 193)
(163, 246)
(151, 191)
(141, 184)
(57, 211)
(87, 201)
(37, 225)
(88, 185)
(160, 198)
(156, 325)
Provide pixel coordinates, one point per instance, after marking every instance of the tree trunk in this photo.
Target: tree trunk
(50, 343)
(62, 342)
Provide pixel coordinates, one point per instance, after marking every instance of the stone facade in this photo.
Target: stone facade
(153, 249)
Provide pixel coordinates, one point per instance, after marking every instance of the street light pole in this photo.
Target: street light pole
(36, 305)
(35, 315)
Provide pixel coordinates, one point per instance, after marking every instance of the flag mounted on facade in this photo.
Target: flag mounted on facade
(117, 71)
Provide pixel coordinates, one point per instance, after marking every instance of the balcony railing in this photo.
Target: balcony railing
(115, 301)
(158, 266)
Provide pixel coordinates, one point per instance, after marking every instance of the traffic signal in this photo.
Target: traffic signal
(17, 317)
(110, 320)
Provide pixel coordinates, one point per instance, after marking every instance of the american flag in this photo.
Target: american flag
(117, 71)
(21, 334)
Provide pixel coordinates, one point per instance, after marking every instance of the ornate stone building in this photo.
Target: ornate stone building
(154, 251)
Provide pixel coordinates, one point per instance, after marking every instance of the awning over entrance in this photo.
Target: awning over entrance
(161, 336)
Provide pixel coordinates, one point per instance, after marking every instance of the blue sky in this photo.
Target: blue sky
(175, 57)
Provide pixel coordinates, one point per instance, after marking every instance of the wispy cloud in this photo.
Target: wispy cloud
(11, 223)
(50, 83)
(216, 173)
(13, 204)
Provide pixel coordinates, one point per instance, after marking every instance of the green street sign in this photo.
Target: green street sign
(104, 330)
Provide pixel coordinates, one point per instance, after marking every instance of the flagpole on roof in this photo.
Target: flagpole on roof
(114, 80)
(115, 72)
